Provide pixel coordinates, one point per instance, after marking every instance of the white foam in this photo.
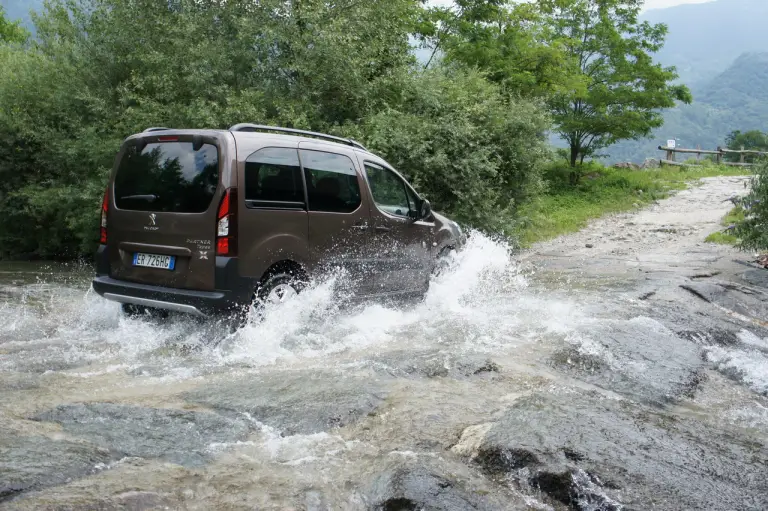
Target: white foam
(748, 366)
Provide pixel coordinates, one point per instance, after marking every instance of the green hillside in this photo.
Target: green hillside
(704, 39)
(736, 99)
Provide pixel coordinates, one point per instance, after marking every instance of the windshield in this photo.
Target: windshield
(167, 177)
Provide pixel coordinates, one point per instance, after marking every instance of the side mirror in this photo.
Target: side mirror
(425, 210)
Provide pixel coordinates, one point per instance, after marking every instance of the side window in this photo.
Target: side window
(273, 179)
(332, 183)
(389, 191)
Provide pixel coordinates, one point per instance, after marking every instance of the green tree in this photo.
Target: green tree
(622, 91)
(473, 150)
(754, 140)
(11, 32)
(510, 42)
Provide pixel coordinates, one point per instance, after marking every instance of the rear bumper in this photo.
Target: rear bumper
(238, 292)
(198, 303)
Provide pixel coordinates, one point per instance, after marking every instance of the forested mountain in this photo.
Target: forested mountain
(704, 39)
(736, 99)
(720, 49)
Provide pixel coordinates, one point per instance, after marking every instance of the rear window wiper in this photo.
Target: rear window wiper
(148, 198)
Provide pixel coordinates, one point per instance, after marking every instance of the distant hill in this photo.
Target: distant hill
(704, 39)
(720, 49)
(736, 99)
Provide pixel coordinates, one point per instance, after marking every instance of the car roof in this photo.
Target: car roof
(268, 137)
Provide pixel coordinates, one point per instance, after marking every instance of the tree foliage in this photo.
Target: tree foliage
(11, 31)
(623, 89)
(100, 70)
(754, 140)
(591, 60)
(753, 230)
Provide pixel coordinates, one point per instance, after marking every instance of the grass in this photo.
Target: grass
(602, 190)
(724, 237)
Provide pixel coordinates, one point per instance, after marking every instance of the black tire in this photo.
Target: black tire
(443, 261)
(276, 280)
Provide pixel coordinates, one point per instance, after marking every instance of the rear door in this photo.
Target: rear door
(339, 220)
(162, 218)
(400, 244)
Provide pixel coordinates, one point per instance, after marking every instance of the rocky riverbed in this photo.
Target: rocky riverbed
(621, 367)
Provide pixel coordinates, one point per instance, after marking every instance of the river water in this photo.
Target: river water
(562, 378)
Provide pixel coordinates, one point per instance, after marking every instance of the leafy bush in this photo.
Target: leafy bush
(100, 70)
(474, 152)
(753, 230)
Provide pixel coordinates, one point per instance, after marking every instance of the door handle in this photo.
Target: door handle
(361, 227)
(383, 228)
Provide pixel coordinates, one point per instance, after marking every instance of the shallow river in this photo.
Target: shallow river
(632, 374)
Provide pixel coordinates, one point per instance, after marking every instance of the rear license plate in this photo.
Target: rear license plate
(164, 262)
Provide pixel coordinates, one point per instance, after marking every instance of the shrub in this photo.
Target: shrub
(753, 230)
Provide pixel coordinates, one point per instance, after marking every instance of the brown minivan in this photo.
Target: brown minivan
(200, 221)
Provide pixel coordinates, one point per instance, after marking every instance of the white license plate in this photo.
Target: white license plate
(163, 262)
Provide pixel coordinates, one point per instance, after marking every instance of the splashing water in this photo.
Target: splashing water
(475, 302)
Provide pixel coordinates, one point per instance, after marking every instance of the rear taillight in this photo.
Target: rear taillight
(104, 210)
(226, 224)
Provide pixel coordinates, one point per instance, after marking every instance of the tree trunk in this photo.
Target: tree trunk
(574, 175)
(574, 154)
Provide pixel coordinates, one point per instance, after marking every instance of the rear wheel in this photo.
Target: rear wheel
(443, 261)
(278, 287)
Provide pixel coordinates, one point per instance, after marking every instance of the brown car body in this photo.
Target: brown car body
(382, 248)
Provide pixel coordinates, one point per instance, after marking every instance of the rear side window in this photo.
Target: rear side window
(332, 183)
(167, 177)
(273, 179)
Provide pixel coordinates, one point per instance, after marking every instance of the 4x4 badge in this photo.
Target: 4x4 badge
(152, 219)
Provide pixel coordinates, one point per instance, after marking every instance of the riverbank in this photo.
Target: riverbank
(602, 190)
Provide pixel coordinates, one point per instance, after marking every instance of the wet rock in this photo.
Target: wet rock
(471, 439)
(422, 488)
(746, 301)
(297, 402)
(711, 336)
(431, 364)
(35, 462)
(756, 278)
(639, 357)
(177, 436)
(18, 381)
(591, 452)
(315, 501)
(140, 500)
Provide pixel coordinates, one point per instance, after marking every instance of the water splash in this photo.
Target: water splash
(479, 302)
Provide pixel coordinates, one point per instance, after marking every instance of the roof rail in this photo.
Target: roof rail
(293, 131)
(156, 129)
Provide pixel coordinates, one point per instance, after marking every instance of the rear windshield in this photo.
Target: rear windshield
(167, 177)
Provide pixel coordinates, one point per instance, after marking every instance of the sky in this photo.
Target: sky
(649, 4)
(660, 4)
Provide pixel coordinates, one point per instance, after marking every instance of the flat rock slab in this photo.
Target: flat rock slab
(178, 436)
(590, 452)
(33, 462)
(418, 485)
(297, 402)
(639, 357)
(745, 300)
(435, 364)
